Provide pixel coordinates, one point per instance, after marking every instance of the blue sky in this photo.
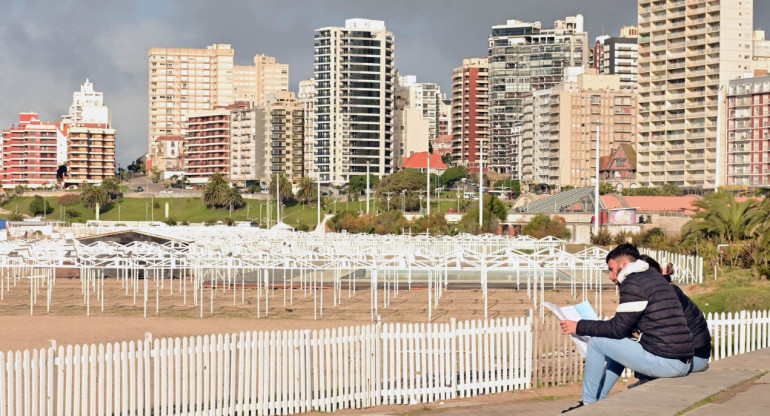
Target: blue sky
(50, 47)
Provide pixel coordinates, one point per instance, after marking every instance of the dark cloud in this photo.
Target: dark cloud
(50, 47)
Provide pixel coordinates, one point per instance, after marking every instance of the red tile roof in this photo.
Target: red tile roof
(443, 139)
(420, 161)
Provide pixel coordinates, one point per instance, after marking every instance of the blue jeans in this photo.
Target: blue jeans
(699, 364)
(606, 358)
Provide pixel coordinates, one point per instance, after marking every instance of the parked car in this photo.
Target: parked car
(139, 189)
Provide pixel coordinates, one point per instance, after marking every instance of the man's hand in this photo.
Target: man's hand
(568, 327)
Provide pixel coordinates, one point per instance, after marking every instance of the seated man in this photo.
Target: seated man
(648, 304)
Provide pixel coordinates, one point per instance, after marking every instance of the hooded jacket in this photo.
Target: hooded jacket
(651, 305)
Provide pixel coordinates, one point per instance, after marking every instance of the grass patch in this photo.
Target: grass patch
(734, 290)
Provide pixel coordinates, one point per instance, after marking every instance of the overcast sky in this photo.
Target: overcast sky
(49, 48)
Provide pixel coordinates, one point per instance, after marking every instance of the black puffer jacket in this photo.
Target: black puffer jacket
(650, 304)
(699, 328)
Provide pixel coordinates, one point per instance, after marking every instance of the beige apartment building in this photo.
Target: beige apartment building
(559, 130)
(184, 81)
(280, 129)
(688, 50)
(306, 96)
(90, 154)
(253, 83)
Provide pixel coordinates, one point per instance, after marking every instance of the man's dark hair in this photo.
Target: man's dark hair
(623, 250)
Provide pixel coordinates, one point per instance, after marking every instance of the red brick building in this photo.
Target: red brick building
(470, 114)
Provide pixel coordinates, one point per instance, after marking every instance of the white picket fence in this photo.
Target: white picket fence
(738, 333)
(687, 269)
(278, 372)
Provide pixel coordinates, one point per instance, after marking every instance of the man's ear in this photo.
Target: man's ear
(623, 262)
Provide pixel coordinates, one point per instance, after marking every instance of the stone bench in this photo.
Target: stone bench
(735, 385)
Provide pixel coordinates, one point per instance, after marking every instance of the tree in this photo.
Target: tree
(214, 192)
(40, 206)
(508, 184)
(232, 199)
(91, 195)
(452, 175)
(155, 174)
(307, 190)
(19, 190)
(759, 228)
(411, 181)
(435, 223)
(722, 217)
(358, 183)
(286, 194)
(606, 188)
(111, 186)
(541, 225)
(137, 166)
(446, 159)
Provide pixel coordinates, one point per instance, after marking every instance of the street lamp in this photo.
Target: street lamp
(596, 190)
(367, 187)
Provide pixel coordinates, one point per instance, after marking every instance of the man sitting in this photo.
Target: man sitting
(648, 304)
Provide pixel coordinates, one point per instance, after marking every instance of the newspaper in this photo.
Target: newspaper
(582, 310)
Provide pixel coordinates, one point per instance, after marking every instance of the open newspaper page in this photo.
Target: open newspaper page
(582, 310)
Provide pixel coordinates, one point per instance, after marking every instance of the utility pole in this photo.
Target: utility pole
(481, 186)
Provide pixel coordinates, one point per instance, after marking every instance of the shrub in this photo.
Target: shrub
(71, 214)
(228, 221)
(620, 237)
(542, 226)
(184, 223)
(69, 199)
(40, 206)
(170, 221)
(602, 238)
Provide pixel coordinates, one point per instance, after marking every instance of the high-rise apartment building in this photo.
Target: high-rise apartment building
(620, 56)
(355, 89)
(90, 154)
(32, 152)
(761, 50)
(525, 57)
(563, 129)
(207, 144)
(687, 51)
(184, 81)
(88, 107)
(470, 112)
(748, 133)
(253, 83)
(306, 96)
(283, 136)
(245, 151)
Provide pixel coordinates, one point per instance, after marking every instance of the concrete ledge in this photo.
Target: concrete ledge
(672, 396)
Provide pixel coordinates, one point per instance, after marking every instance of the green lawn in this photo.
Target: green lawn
(735, 290)
(193, 210)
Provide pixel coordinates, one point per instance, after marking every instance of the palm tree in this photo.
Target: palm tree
(286, 194)
(214, 192)
(721, 217)
(306, 190)
(232, 198)
(91, 195)
(759, 227)
(111, 186)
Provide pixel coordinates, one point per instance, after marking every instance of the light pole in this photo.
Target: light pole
(367, 187)
(481, 186)
(277, 199)
(720, 94)
(427, 187)
(596, 189)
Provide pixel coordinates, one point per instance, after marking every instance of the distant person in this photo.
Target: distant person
(593, 219)
(641, 219)
(649, 306)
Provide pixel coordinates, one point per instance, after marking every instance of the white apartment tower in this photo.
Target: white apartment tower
(354, 81)
(88, 107)
(687, 51)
